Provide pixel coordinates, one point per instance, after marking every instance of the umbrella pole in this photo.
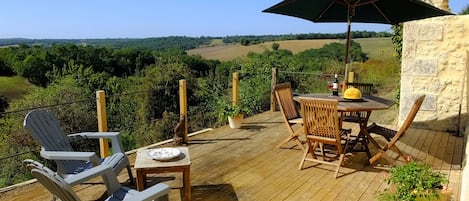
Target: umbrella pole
(347, 52)
(347, 49)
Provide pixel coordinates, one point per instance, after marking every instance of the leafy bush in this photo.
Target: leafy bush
(226, 109)
(413, 181)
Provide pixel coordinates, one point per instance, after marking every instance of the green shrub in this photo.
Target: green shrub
(227, 109)
(413, 181)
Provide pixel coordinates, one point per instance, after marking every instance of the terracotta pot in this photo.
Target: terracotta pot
(236, 121)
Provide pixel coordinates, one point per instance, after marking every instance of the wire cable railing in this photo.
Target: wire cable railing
(151, 122)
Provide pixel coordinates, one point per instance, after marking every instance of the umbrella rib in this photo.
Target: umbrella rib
(380, 11)
(364, 3)
(325, 10)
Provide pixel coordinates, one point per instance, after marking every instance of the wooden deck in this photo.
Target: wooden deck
(244, 164)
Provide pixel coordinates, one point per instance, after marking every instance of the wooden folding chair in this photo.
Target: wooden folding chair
(367, 90)
(290, 114)
(392, 136)
(321, 126)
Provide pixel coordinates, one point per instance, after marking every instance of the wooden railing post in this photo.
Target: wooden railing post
(102, 122)
(235, 88)
(273, 100)
(183, 107)
(351, 76)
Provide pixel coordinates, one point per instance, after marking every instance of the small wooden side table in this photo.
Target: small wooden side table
(145, 165)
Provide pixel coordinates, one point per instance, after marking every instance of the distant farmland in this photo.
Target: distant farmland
(378, 48)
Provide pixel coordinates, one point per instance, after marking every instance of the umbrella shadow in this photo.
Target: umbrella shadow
(223, 192)
(214, 192)
(252, 128)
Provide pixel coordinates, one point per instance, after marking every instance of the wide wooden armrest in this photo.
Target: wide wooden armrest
(71, 155)
(100, 170)
(113, 136)
(152, 193)
(95, 135)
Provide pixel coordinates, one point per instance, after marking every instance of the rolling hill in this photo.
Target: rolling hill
(378, 48)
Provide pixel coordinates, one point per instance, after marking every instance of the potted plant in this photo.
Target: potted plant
(414, 181)
(234, 113)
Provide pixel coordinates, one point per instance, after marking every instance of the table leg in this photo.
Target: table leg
(141, 177)
(187, 183)
(363, 134)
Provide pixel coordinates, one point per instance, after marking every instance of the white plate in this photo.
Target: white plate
(163, 154)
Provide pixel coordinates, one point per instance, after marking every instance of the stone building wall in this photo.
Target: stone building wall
(434, 63)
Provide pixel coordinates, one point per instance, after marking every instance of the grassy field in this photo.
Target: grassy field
(378, 48)
(230, 51)
(14, 87)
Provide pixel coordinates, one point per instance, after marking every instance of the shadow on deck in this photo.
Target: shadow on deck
(244, 164)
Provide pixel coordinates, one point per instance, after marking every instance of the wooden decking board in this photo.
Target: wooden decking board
(259, 173)
(349, 175)
(438, 161)
(265, 152)
(297, 182)
(282, 170)
(425, 149)
(310, 184)
(448, 155)
(244, 164)
(410, 139)
(365, 180)
(457, 154)
(417, 147)
(339, 189)
(433, 149)
(376, 186)
(454, 184)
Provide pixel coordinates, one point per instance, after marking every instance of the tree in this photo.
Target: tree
(245, 42)
(275, 46)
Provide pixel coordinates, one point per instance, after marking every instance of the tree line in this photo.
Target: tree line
(184, 42)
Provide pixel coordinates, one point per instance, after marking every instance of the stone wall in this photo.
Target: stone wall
(434, 63)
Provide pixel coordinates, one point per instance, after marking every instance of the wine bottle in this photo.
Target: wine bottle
(335, 86)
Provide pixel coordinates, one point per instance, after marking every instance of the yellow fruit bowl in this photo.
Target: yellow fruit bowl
(352, 93)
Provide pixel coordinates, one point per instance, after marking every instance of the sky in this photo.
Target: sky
(80, 19)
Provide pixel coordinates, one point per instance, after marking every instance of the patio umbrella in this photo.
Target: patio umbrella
(366, 11)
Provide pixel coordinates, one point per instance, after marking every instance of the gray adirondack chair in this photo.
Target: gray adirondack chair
(60, 187)
(55, 145)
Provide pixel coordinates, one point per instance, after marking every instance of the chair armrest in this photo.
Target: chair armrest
(152, 193)
(105, 171)
(71, 155)
(95, 135)
(114, 136)
(89, 174)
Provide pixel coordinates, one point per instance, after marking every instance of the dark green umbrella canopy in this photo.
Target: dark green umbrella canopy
(366, 11)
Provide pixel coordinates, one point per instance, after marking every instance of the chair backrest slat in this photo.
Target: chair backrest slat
(320, 117)
(365, 88)
(55, 184)
(408, 121)
(284, 96)
(45, 129)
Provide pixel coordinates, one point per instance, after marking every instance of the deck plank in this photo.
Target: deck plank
(245, 164)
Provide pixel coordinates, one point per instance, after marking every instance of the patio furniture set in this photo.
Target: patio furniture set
(321, 120)
(75, 167)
